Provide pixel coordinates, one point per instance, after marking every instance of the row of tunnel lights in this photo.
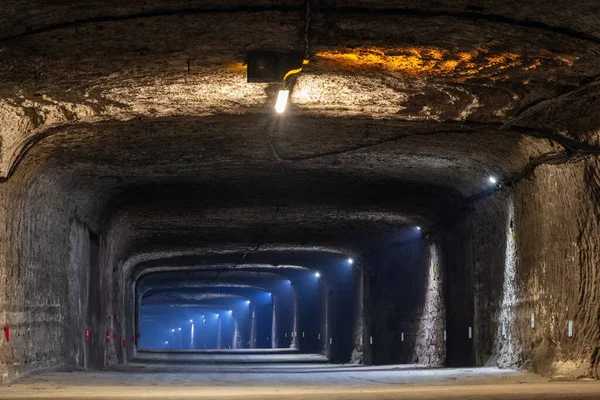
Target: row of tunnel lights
(280, 107)
(281, 102)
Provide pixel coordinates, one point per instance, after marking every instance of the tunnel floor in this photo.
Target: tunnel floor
(296, 381)
(243, 356)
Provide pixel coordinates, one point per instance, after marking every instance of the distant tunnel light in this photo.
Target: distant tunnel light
(317, 274)
(172, 330)
(493, 180)
(282, 99)
(247, 301)
(179, 329)
(166, 342)
(230, 311)
(191, 321)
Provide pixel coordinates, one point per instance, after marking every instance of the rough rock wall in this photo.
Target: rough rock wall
(404, 308)
(45, 258)
(34, 261)
(536, 250)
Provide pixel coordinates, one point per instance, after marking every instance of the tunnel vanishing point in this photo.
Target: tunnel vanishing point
(428, 192)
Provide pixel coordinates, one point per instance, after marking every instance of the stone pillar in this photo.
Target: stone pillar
(253, 326)
(220, 333)
(367, 315)
(237, 336)
(274, 327)
(325, 331)
(294, 342)
(360, 340)
(308, 313)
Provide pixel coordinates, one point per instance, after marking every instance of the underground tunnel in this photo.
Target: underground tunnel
(373, 193)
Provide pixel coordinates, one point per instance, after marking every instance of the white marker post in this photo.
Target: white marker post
(470, 332)
(570, 328)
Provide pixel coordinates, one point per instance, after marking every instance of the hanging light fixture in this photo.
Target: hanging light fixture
(282, 99)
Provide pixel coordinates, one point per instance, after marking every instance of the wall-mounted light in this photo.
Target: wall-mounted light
(317, 274)
(418, 228)
(172, 330)
(247, 301)
(492, 180)
(191, 321)
(282, 99)
(178, 329)
(350, 261)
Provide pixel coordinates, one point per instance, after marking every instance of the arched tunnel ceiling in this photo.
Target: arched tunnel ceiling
(219, 278)
(255, 265)
(458, 63)
(226, 186)
(193, 298)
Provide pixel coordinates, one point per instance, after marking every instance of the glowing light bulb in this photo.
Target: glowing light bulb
(492, 179)
(247, 301)
(282, 99)
(317, 274)
(350, 261)
(172, 330)
(418, 228)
